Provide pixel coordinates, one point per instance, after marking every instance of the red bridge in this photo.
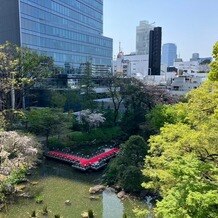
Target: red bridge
(95, 162)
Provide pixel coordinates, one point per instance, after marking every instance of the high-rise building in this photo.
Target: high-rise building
(169, 54)
(195, 57)
(155, 51)
(142, 37)
(70, 31)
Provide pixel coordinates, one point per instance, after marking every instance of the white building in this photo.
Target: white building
(131, 65)
(142, 37)
(198, 67)
(187, 75)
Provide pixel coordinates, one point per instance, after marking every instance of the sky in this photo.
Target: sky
(191, 24)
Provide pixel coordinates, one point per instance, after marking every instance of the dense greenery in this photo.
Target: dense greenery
(182, 161)
(125, 169)
(99, 136)
(213, 76)
(45, 121)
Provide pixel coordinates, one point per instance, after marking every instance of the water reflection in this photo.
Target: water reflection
(112, 206)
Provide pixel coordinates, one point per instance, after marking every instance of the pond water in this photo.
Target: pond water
(57, 183)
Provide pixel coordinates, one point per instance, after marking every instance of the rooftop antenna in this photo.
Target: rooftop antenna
(119, 46)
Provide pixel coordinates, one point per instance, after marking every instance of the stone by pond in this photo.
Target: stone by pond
(58, 183)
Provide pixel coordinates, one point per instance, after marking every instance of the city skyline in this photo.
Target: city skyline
(188, 24)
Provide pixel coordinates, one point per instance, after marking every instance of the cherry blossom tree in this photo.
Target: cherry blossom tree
(93, 120)
(17, 151)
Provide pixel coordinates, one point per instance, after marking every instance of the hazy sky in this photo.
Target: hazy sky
(191, 24)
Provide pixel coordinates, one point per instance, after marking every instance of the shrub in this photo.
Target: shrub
(17, 176)
(55, 143)
(76, 136)
(39, 199)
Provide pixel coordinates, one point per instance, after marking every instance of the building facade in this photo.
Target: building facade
(201, 66)
(195, 57)
(155, 40)
(69, 31)
(169, 54)
(131, 65)
(142, 37)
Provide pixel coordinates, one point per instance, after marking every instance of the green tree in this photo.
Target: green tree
(32, 68)
(72, 101)
(213, 76)
(162, 114)
(125, 169)
(87, 91)
(138, 100)
(182, 161)
(114, 86)
(46, 121)
(58, 99)
(8, 67)
(20, 69)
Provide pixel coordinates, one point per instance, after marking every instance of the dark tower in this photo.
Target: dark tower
(155, 51)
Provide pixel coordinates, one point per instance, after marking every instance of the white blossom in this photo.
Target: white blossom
(92, 119)
(17, 150)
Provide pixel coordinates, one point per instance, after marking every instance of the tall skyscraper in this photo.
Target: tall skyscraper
(70, 31)
(142, 37)
(155, 51)
(169, 54)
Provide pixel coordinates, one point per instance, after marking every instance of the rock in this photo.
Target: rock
(85, 215)
(121, 194)
(25, 195)
(67, 202)
(2, 177)
(117, 188)
(97, 189)
(34, 183)
(94, 197)
(20, 188)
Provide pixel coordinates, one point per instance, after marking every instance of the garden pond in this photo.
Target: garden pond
(55, 183)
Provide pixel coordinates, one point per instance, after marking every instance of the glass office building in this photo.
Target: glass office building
(169, 54)
(70, 31)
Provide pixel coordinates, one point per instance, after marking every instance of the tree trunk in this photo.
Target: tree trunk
(12, 93)
(23, 99)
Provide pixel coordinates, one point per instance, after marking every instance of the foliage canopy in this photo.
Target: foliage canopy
(182, 161)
